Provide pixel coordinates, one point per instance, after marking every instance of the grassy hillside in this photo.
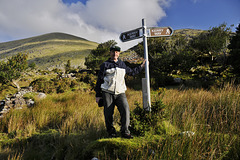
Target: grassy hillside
(197, 124)
(50, 50)
(189, 33)
(54, 49)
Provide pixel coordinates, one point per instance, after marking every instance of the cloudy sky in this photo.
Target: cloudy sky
(103, 20)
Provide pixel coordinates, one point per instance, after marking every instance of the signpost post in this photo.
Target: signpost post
(146, 81)
(144, 32)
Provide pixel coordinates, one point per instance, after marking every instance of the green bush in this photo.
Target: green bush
(73, 84)
(87, 78)
(43, 85)
(143, 121)
(63, 85)
(54, 85)
(57, 70)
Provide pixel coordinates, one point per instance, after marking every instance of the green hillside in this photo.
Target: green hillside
(50, 50)
(188, 32)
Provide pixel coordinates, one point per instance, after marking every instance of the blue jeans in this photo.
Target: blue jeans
(120, 100)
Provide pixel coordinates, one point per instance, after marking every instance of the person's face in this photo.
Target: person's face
(114, 55)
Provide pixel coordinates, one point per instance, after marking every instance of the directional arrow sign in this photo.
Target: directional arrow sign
(131, 35)
(159, 31)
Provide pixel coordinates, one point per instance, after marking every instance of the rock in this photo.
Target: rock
(30, 103)
(2, 103)
(4, 111)
(19, 102)
(18, 95)
(187, 133)
(9, 104)
(30, 88)
(16, 101)
(42, 95)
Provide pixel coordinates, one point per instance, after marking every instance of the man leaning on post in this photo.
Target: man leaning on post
(110, 89)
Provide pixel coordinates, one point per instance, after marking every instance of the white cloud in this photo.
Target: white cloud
(196, 1)
(98, 20)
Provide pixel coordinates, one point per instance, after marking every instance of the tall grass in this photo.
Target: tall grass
(71, 126)
(216, 110)
(69, 113)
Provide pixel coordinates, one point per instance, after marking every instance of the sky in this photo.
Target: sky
(103, 20)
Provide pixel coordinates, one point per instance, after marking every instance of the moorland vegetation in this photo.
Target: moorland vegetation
(195, 118)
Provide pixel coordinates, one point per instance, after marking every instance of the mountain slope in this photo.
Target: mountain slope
(50, 50)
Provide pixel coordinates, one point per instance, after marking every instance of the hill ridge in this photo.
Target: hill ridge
(43, 37)
(50, 49)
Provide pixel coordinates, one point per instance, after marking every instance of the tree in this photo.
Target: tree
(212, 51)
(99, 55)
(11, 70)
(32, 65)
(68, 67)
(211, 43)
(167, 55)
(234, 47)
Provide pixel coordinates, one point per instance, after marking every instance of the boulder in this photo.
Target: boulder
(30, 103)
(41, 95)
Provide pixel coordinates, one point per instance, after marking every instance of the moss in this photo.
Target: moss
(30, 95)
(113, 148)
(119, 148)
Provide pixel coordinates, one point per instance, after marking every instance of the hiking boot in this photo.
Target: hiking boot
(127, 136)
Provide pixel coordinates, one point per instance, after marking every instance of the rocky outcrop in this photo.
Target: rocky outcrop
(133, 57)
(17, 101)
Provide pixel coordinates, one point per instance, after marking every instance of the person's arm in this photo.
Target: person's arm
(135, 70)
(143, 64)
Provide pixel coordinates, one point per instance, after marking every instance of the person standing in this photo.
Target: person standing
(110, 89)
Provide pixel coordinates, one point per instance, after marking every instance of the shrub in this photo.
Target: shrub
(87, 78)
(43, 85)
(57, 70)
(53, 85)
(143, 121)
(63, 85)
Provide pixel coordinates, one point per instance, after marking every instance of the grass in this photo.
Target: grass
(71, 126)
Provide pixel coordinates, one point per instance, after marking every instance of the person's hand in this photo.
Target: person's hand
(144, 62)
(98, 98)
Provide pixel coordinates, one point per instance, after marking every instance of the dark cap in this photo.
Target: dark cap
(115, 48)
